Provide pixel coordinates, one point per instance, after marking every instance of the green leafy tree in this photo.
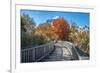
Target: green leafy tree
(27, 28)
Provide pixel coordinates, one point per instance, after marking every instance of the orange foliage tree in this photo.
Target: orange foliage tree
(61, 28)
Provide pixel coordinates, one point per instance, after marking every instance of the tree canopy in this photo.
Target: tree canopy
(61, 28)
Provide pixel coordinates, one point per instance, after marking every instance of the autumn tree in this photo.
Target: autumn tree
(79, 36)
(45, 30)
(84, 35)
(73, 33)
(61, 28)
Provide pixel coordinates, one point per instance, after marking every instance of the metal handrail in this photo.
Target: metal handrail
(36, 53)
(37, 46)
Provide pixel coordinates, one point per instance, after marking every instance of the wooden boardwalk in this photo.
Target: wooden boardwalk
(60, 51)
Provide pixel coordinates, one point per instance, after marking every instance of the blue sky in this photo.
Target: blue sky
(39, 17)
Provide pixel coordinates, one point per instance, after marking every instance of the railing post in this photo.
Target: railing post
(36, 53)
(33, 56)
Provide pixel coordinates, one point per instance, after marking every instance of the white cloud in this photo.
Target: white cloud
(55, 17)
(80, 27)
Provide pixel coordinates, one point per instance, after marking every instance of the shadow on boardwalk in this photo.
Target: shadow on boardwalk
(60, 53)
